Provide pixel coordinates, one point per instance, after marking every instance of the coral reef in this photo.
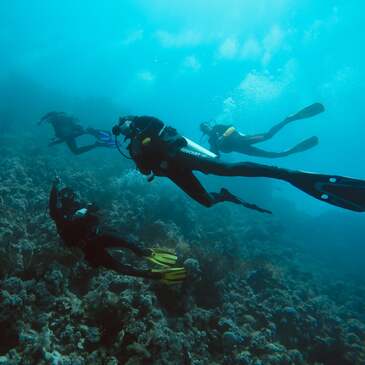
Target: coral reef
(253, 296)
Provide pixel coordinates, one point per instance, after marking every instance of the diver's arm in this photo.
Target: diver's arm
(71, 144)
(53, 200)
(107, 261)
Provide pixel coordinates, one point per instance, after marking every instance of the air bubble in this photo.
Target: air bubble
(333, 180)
(324, 196)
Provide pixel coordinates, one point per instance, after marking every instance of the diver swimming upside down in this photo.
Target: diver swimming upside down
(226, 139)
(160, 150)
(78, 225)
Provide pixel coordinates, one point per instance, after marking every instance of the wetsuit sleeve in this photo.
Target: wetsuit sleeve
(54, 212)
(97, 255)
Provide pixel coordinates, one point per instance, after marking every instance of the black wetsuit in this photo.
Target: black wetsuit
(160, 150)
(94, 240)
(165, 155)
(241, 143)
(214, 138)
(67, 130)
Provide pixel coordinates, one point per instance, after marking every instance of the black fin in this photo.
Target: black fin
(308, 112)
(305, 145)
(343, 192)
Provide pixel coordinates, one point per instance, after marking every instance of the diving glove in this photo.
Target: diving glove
(162, 257)
(172, 275)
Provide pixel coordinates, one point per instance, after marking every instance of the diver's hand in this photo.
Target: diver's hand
(56, 181)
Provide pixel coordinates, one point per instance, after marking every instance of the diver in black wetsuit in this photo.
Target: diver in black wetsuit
(226, 139)
(67, 129)
(159, 150)
(78, 226)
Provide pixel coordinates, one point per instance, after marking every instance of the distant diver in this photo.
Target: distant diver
(67, 130)
(226, 139)
(160, 150)
(78, 225)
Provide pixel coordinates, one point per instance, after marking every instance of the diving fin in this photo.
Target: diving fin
(308, 112)
(343, 192)
(305, 145)
(162, 257)
(103, 137)
(172, 275)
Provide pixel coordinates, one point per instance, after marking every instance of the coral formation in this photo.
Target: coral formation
(252, 296)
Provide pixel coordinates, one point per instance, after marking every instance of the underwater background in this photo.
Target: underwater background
(266, 290)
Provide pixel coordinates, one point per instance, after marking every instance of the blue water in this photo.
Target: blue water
(246, 63)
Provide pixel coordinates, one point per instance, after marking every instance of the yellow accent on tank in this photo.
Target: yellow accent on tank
(229, 131)
(146, 141)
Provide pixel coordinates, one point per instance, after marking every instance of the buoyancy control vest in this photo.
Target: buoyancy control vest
(153, 144)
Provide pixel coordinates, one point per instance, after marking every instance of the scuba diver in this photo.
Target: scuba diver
(160, 150)
(78, 226)
(226, 139)
(67, 129)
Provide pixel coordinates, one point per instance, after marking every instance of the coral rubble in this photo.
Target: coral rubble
(252, 296)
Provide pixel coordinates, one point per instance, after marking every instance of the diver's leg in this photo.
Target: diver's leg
(192, 186)
(103, 137)
(277, 128)
(213, 166)
(159, 256)
(307, 112)
(71, 143)
(113, 240)
(169, 275)
(341, 191)
(250, 150)
(97, 255)
(92, 132)
(262, 137)
(188, 182)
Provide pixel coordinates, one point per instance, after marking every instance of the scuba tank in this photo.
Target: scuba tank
(193, 147)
